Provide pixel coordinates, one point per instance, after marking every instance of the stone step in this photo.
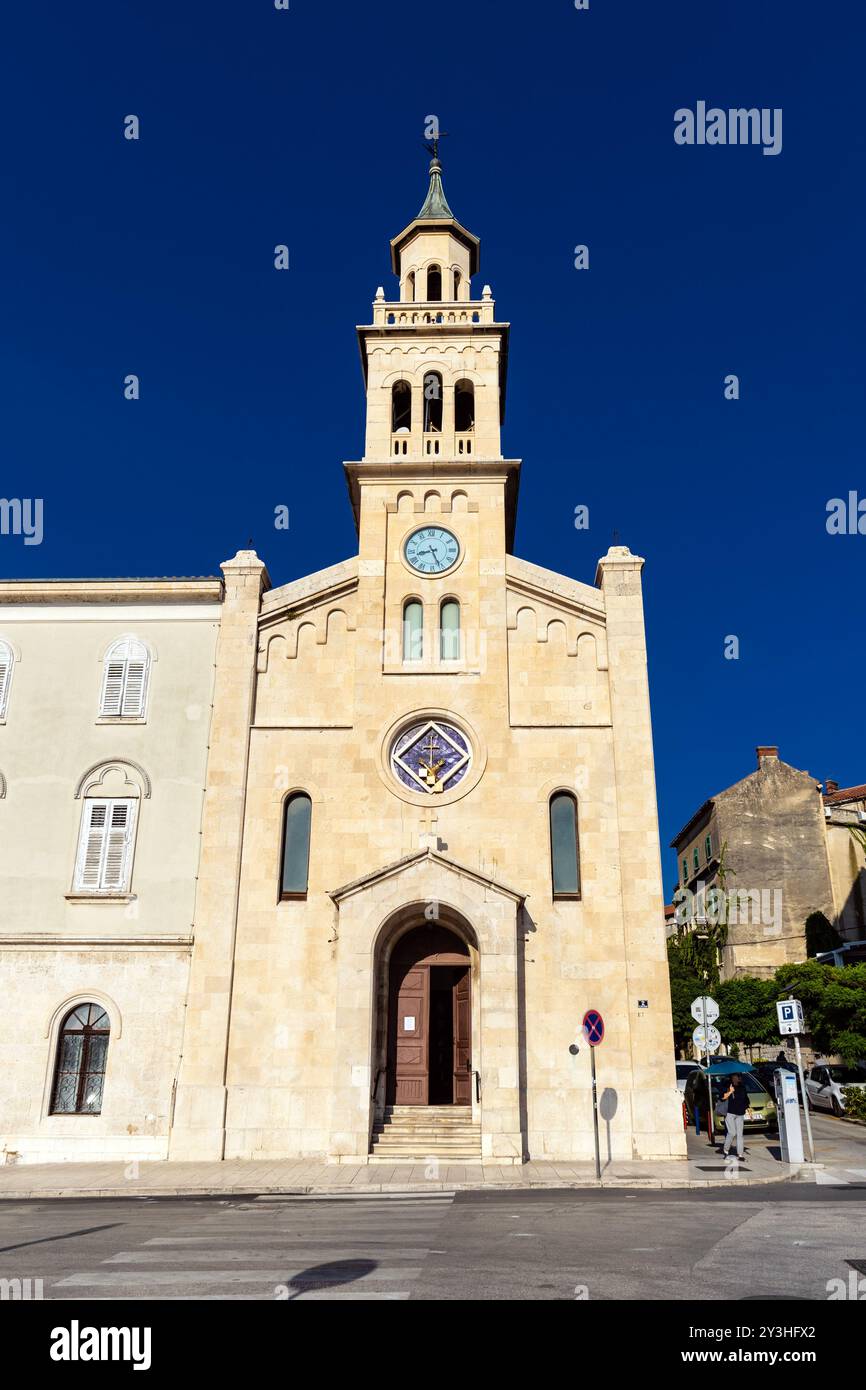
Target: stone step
(423, 1156)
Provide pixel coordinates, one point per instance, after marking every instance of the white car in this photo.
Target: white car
(825, 1082)
(684, 1071)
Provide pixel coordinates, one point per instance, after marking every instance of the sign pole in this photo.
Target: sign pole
(595, 1114)
(805, 1099)
(711, 1133)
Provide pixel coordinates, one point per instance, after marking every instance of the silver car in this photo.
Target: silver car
(825, 1082)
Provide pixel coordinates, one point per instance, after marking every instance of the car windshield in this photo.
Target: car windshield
(846, 1075)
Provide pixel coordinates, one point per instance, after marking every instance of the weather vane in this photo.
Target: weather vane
(432, 146)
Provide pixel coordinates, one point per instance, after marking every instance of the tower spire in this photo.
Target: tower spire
(435, 204)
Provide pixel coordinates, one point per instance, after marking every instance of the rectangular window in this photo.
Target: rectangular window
(696, 861)
(708, 848)
(685, 871)
(105, 848)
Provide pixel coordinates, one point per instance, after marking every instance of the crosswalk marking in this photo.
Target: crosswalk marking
(299, 1249)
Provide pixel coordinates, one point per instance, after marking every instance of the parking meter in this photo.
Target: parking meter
(788, 1111)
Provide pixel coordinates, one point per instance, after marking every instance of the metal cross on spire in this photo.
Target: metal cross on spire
(432, 146)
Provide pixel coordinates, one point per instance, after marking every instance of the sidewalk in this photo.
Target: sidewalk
(703, 1168)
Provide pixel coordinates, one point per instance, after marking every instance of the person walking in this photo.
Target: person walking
(736, 1098)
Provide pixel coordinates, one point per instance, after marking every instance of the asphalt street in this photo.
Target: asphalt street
(729, 1244)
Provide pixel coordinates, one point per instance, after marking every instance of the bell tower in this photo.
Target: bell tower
(435, 358)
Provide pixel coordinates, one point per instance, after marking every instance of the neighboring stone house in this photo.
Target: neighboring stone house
(429, 839)
(844, 808)
(105, 702)
(768, 844)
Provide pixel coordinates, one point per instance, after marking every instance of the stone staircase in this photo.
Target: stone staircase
(413, 1133)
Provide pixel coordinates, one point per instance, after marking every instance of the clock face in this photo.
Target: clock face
(431, 757)
(432, 550)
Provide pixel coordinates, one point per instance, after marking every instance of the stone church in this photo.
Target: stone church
(336, 868)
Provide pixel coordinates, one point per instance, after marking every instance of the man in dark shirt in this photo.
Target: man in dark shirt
(737, 1098)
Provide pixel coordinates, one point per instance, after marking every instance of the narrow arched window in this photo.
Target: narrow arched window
(6, 662)
(457, 279)
(401, 407)
(449, 630)
(124, 682)
(410, 286)
(564, 851)
(464, 407)
(413, 630)
(434, 283)
(297, 816)
(82, 1051)
(433, 403)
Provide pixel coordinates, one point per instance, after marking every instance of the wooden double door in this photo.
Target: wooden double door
(429, 1020)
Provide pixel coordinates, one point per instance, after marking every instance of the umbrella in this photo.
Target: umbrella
(728, 1067)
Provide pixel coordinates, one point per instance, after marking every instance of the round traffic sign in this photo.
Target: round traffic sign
(709, 1041)
(593, 1027)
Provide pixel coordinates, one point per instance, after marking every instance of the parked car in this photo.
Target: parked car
(761, 1111)
(824, 1085)
(764, 1071)
(684, 1071)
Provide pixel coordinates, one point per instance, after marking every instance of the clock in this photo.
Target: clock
(431, 756)
(431, 550)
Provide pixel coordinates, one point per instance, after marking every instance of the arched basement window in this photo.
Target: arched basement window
(82, 1051)
(413, 630)
(433, 403)
(464, 407)
(564, 853)
(434, 283)
(449, 630)
(297, 815)
(401, 407)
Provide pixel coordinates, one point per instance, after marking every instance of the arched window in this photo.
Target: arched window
(434, 283)
(457, 279)
(464, 406)
(124, 681)
(413, 630)
(410, 286)
(82, 1051)
(433, 403)
(7, 660)
(449, 630)
(401, 407)
(297, 816)
(564, 851)
(106, 844)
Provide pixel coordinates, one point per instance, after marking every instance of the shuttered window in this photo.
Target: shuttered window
(124, 682)
(105, 849)
(6, 660)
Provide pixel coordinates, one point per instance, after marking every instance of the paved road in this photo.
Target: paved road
(726, 1244)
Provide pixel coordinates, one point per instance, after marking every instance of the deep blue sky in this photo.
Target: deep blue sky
(259, 127)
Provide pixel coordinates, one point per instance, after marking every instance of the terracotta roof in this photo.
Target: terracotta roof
(845, 794)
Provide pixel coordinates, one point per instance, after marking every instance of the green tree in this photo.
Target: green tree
(747, 1011)
(686, 985)
(821, 935)
(834, 1002)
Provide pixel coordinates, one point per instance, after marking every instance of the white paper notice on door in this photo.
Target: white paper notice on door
(409, 1023)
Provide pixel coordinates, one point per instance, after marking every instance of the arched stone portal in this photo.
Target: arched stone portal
(427, 1019)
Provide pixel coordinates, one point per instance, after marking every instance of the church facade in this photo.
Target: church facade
(428, 837)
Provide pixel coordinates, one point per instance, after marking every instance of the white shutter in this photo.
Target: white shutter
(93, 825)
(116, 845)
(105, 850)
(112, 688)
(133, 688)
